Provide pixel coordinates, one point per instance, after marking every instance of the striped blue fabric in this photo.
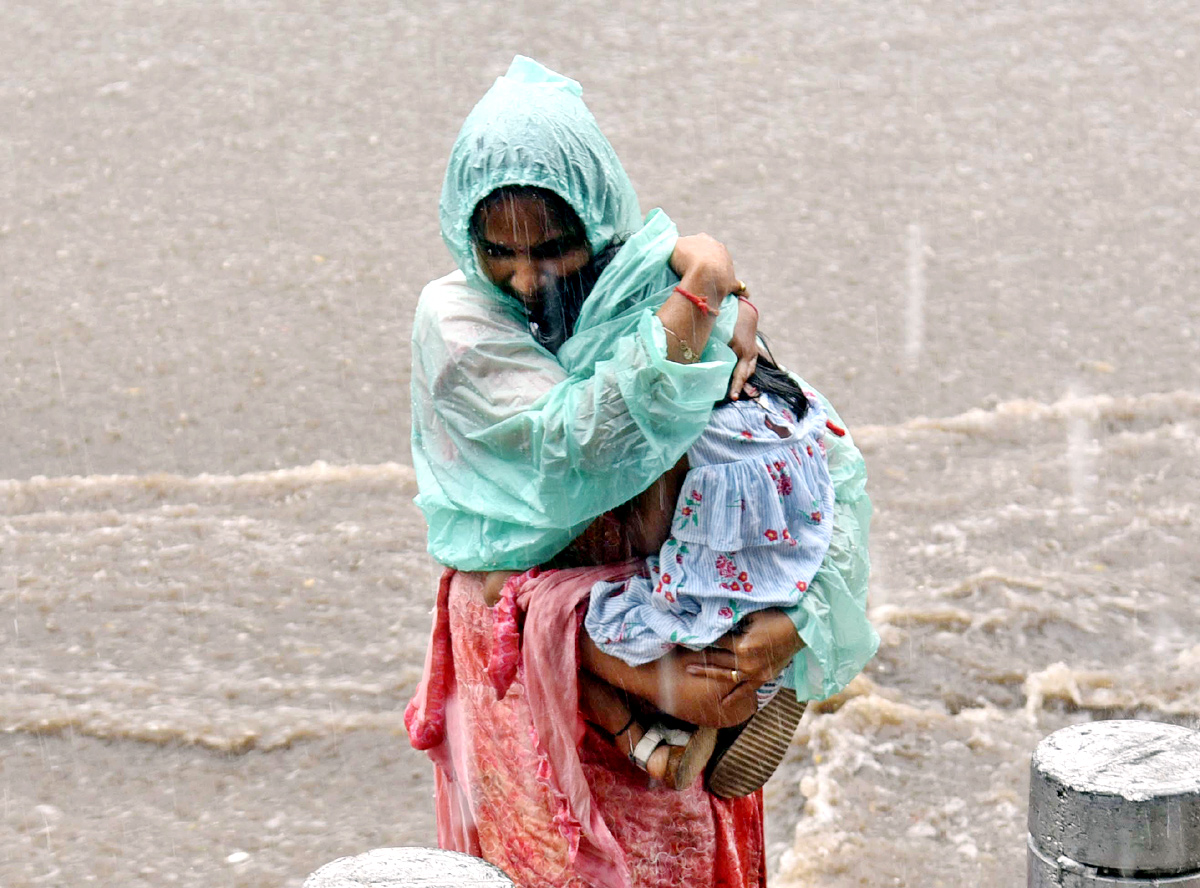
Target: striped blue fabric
(752, 525)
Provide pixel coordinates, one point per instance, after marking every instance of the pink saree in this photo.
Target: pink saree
(523, 782)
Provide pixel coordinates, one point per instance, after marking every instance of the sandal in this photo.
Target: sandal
(752, 751)
(690, 752)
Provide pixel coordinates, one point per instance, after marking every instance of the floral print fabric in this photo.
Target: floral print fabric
(751, 527)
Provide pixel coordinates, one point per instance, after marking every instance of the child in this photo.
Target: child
(751, 527)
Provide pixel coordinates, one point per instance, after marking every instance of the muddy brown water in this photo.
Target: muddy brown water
(974, 226)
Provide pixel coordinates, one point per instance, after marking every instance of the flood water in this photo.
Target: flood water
(974, 226)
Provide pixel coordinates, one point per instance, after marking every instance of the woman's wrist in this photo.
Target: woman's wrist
(706, 284)
(705, 268)
(687, 329)
(697, 302)
(687, 354)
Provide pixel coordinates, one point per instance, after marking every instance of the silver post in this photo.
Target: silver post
(408, 868)
(1115, 803)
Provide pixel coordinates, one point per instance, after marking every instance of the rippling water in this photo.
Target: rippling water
(973, 226)
(207, 665)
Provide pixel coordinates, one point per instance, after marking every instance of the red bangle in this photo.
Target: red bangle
(751, 304)
(704, 307)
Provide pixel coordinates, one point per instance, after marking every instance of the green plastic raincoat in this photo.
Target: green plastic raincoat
(516, 449)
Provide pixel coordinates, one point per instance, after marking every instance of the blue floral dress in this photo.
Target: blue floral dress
(752, 525)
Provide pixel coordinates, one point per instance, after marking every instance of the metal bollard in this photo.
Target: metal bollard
(1115, 804)
(408, 868)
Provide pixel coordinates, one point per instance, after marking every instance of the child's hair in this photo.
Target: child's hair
(770, 378)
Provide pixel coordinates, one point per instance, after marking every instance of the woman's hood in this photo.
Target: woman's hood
(532, 128)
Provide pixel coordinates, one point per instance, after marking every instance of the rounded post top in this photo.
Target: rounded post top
(408, 868)
(1118, 795)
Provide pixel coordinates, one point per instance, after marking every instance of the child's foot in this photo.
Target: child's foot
(674, 756)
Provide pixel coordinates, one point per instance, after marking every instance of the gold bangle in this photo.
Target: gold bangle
(689, 353)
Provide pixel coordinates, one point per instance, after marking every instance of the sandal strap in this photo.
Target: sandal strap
(676, 736)
(655, 736)
(645, 748)
(628, 725)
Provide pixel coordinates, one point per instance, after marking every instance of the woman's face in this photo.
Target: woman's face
(524, 250)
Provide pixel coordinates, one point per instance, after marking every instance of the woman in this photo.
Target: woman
(521, 438)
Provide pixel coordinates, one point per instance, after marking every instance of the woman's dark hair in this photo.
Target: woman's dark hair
(557, 210)
(552, 322)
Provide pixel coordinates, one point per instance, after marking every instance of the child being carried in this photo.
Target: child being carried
(752, 524)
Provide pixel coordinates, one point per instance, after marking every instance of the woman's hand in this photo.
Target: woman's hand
(765, 642)
(712, 687)
(745, 345)
(704, 267)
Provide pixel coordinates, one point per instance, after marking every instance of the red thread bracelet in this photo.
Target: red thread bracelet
(751, 304)
(704, 307)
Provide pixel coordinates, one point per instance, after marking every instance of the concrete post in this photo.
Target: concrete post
(1115, 804)
(408, 868)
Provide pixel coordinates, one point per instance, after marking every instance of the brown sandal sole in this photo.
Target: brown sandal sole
(750, 760)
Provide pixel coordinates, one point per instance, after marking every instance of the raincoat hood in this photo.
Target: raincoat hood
(532, 128)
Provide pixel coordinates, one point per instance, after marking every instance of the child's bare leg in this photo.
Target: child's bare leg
(605, 706)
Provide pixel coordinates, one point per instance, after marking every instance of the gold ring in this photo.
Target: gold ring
(741, 287)
(735, 675)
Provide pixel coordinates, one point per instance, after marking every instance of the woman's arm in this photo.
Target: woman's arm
(704, 266)
(706, 270)
(513, 454)
(712, 687)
